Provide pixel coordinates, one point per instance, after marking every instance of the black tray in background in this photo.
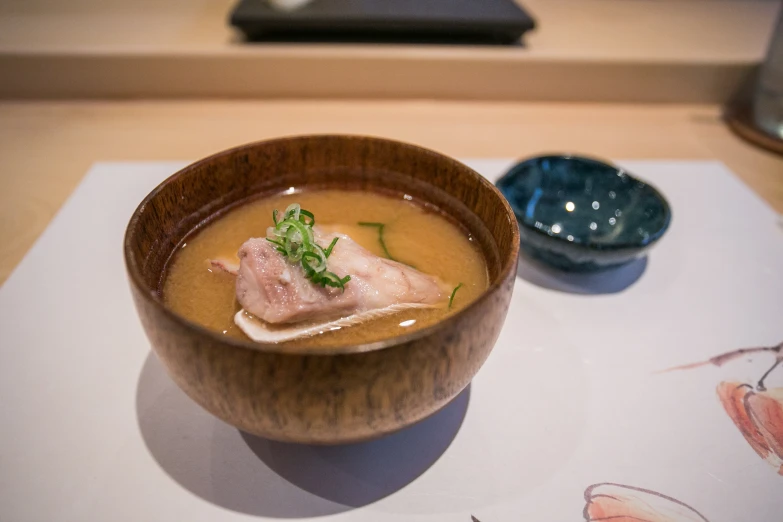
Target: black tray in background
(395, 21)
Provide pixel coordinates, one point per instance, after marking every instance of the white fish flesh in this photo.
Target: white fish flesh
(280, 304)
(277, 291)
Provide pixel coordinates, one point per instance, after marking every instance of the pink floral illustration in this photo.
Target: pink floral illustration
(620, 503)
(759, 417)
(757, 412)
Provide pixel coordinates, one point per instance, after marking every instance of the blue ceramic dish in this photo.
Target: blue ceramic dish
(582, 215)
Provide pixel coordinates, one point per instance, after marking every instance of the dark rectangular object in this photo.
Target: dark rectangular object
(418, 21)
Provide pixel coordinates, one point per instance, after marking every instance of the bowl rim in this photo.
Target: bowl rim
(155, 299)
(590, 245)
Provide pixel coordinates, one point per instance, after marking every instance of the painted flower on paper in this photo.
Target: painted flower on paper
(757, 412)
(620, 503)
(759, 417)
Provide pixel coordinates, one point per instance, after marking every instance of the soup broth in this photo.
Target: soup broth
(412, 235)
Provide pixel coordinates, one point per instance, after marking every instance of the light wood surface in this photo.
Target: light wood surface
(582, 50)
(45, 148)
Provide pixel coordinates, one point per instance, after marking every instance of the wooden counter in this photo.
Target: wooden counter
(583, 50)
(48, 146)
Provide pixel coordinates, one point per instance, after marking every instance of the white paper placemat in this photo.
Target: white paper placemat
(91, 428)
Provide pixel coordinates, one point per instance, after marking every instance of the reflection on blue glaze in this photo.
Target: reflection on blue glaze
(579, 214)
(531, 205)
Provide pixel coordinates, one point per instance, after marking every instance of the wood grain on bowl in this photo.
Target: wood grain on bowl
(339, 394)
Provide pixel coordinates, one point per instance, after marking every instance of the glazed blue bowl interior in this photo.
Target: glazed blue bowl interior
(579, 214)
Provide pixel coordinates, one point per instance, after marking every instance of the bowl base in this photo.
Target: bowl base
(566, 264)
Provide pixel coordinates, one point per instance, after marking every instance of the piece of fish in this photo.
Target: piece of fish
(276, 291)
(286, 305)
(225, 265)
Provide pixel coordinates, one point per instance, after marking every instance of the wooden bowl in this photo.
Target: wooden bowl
(321, 395)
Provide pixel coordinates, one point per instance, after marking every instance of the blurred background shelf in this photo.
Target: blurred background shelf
(582, 50)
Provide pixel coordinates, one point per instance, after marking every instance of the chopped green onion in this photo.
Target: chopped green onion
(293, 237)
(294, 244)
(380, 227)
(292, 211)
(320, 261)
(328, 250)
(332, 279)
(453, 293)
(278, 244)
(304, 213)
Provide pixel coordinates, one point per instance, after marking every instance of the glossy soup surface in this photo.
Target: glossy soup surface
(412, 235)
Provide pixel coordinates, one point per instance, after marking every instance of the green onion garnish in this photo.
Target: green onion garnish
(293, 237)
(453, 293)
(328, 250)
(380, 227)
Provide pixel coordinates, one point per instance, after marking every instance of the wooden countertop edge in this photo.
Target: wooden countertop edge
(367, 74)
(396, 52)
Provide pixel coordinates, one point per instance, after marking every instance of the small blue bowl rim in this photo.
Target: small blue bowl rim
(588, 245)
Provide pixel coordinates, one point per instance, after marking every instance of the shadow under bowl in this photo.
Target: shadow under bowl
(582, 215)
(313, 395)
